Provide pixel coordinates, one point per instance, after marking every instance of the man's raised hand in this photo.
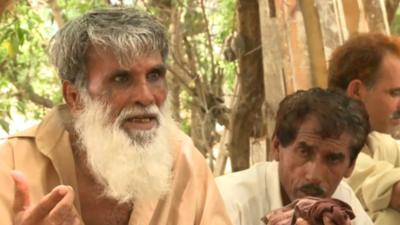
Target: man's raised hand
(55, 208)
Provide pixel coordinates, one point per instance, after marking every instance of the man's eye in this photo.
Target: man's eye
(333, 159)
(394, 93)
(121, 78)
(154, 76)
(304, 152)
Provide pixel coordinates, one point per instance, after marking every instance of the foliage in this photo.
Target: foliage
(395, 25)
(23, 61)
(72, 9)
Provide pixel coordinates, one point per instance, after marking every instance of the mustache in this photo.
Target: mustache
(395, 115)
(312, 190)
(132, 111)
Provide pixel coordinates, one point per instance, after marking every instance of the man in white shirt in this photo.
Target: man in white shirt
(317, 138)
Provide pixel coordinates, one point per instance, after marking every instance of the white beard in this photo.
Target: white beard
(131, 166)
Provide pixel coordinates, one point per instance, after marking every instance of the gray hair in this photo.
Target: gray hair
(127, 32)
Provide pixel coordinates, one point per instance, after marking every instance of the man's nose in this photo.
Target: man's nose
(142, 94)
(398, 104)
(315, 171)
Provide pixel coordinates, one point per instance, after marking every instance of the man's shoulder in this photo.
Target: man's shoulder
(184, 148)
(384, 147)
(375, 138)
(187, 159)
(52, 118)
(248, 175)
(19, 139)
(247, 193)
(47, 130)
(249, 182)
(27, 133)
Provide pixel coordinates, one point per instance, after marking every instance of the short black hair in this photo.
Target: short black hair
(336, 112)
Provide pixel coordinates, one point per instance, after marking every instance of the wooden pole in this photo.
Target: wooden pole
(314, 41)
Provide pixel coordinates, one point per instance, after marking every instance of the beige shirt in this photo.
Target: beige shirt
(251, 194)
(43, 153)
(377, 170)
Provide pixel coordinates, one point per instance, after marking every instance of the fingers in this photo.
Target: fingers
(283, 217)
(64, 211)
(57, 207)
(327, 221)
(21, 195)
(47, 204)
(301, 221)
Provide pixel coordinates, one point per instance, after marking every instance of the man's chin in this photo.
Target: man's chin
(141, 137)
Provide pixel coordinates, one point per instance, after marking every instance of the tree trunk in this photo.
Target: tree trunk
(3, 5)
(295, 60)
(314, 42)
(330, 27)
(196, 132)
(246, 118)
(175, 86)
(352, 16)
(223, 155)
(375, 14)
(55, 9)
(391, 8)
(273, 55)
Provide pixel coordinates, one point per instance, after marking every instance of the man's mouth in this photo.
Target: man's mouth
(312, 190)
(395, 115)
(140, 122)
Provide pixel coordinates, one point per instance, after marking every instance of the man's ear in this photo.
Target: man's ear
(350, 169)
(71, 96)
(355, 89)
(275, 147)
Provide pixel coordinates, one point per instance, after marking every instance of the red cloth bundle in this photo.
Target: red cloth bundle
(312, 210)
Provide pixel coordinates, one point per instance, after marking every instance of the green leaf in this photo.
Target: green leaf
(4, 125)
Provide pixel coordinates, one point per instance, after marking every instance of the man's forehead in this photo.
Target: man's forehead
(313, 139)
(311, 127)
(123, 61)
(95, 52)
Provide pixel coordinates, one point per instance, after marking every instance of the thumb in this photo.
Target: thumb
(301, 221)
(21, 196)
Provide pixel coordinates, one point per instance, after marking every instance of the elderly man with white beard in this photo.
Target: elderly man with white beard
(111, 155)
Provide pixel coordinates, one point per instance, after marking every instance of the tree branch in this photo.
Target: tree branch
(26, 90)
(391, 8)
(209, 42)
(55, 9)
(3, 5)
(28, 93)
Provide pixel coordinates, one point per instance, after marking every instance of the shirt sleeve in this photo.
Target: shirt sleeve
(362, 217)
(372, 180)
(244, 195)
(231, 204)
(210, 209)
